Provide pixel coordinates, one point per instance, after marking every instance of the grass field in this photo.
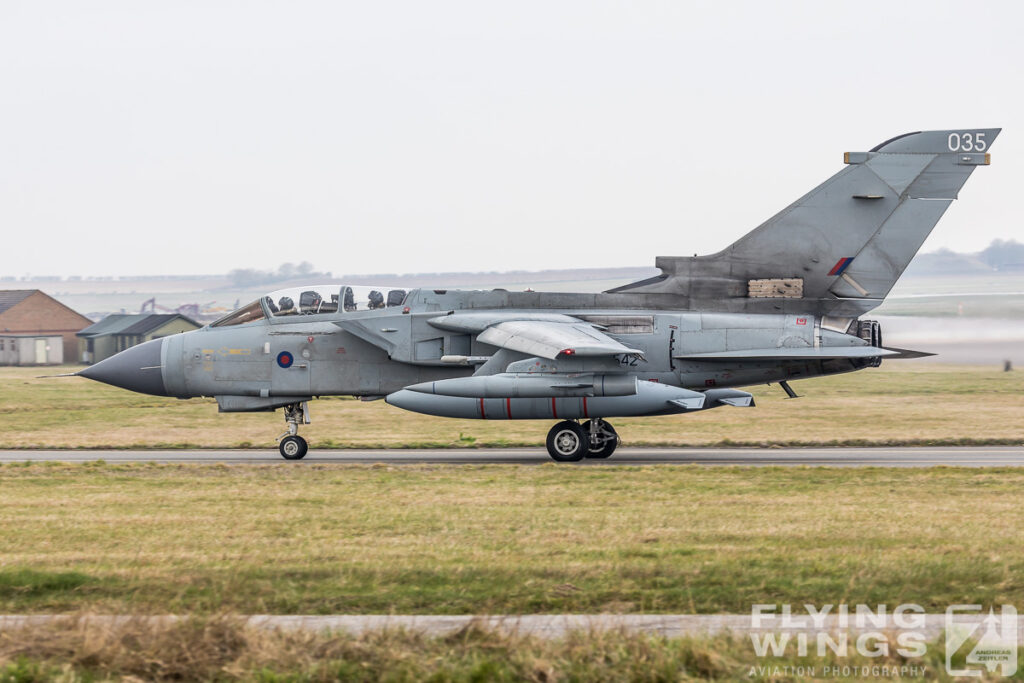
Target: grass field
(209, 539)
(219, 649)
(215, 540)
(901, 403)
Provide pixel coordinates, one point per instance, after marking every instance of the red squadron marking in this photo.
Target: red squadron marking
(841, 265)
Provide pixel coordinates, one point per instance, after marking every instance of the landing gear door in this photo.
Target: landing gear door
(292, 365)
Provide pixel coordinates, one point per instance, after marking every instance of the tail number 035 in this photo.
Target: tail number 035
(967, 142)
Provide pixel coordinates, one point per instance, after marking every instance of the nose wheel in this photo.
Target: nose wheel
(292, 446)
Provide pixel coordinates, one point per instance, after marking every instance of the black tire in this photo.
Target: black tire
(293, 448)
(567, 442)
(608, 447)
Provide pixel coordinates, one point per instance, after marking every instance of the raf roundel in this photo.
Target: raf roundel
(285, 359)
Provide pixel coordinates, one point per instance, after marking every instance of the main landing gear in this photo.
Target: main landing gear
(569, 441)
(293, 446)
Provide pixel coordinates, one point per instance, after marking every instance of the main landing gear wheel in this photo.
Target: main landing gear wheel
(567, 442)
(602, 438)
(293, 447)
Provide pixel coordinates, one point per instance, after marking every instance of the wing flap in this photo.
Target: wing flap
(479, 321)
(552, 340)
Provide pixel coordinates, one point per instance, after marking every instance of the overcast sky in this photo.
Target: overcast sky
(368, 137)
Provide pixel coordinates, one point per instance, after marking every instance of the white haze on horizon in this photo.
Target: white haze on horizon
(200, 137)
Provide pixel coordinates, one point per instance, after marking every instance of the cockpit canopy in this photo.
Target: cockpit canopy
(315, 300)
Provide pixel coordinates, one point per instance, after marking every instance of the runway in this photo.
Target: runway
(958, 456)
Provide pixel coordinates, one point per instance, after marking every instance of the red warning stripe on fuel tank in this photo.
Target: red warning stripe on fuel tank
(554, 410)
(482, 415)
(585, 413)
(508, 408)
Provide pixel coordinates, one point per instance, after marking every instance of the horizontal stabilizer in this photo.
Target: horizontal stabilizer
(820, 353)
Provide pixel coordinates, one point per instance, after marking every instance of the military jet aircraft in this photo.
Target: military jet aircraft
(782, 303)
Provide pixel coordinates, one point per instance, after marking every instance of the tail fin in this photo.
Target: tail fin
(846, 242)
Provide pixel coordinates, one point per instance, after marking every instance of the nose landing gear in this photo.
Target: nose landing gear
(292, 446)
(569, 441)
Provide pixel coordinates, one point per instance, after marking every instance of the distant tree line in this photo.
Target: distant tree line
(1000, 255)
(1003, 253)
(250, 277)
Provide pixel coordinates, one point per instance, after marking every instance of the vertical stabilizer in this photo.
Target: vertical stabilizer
(846, 242)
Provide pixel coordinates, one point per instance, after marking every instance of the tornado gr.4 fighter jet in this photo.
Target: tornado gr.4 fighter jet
(782, 303)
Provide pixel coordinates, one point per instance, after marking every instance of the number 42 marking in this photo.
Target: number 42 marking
(967, 142)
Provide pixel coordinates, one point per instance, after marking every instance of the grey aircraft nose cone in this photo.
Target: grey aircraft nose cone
(136, 369)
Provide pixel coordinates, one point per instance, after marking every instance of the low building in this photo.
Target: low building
(31, 350)
(36, 329)
(118, 332)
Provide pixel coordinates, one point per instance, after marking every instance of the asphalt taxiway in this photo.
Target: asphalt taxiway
(958, 456)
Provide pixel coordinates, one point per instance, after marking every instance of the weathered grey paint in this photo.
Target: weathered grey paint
(877, 211)
(782, 303)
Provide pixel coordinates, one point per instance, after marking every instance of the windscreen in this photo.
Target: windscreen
(246, 314)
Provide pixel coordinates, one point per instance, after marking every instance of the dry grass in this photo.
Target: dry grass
(220, 648)
(329, 539)
(903, 402)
